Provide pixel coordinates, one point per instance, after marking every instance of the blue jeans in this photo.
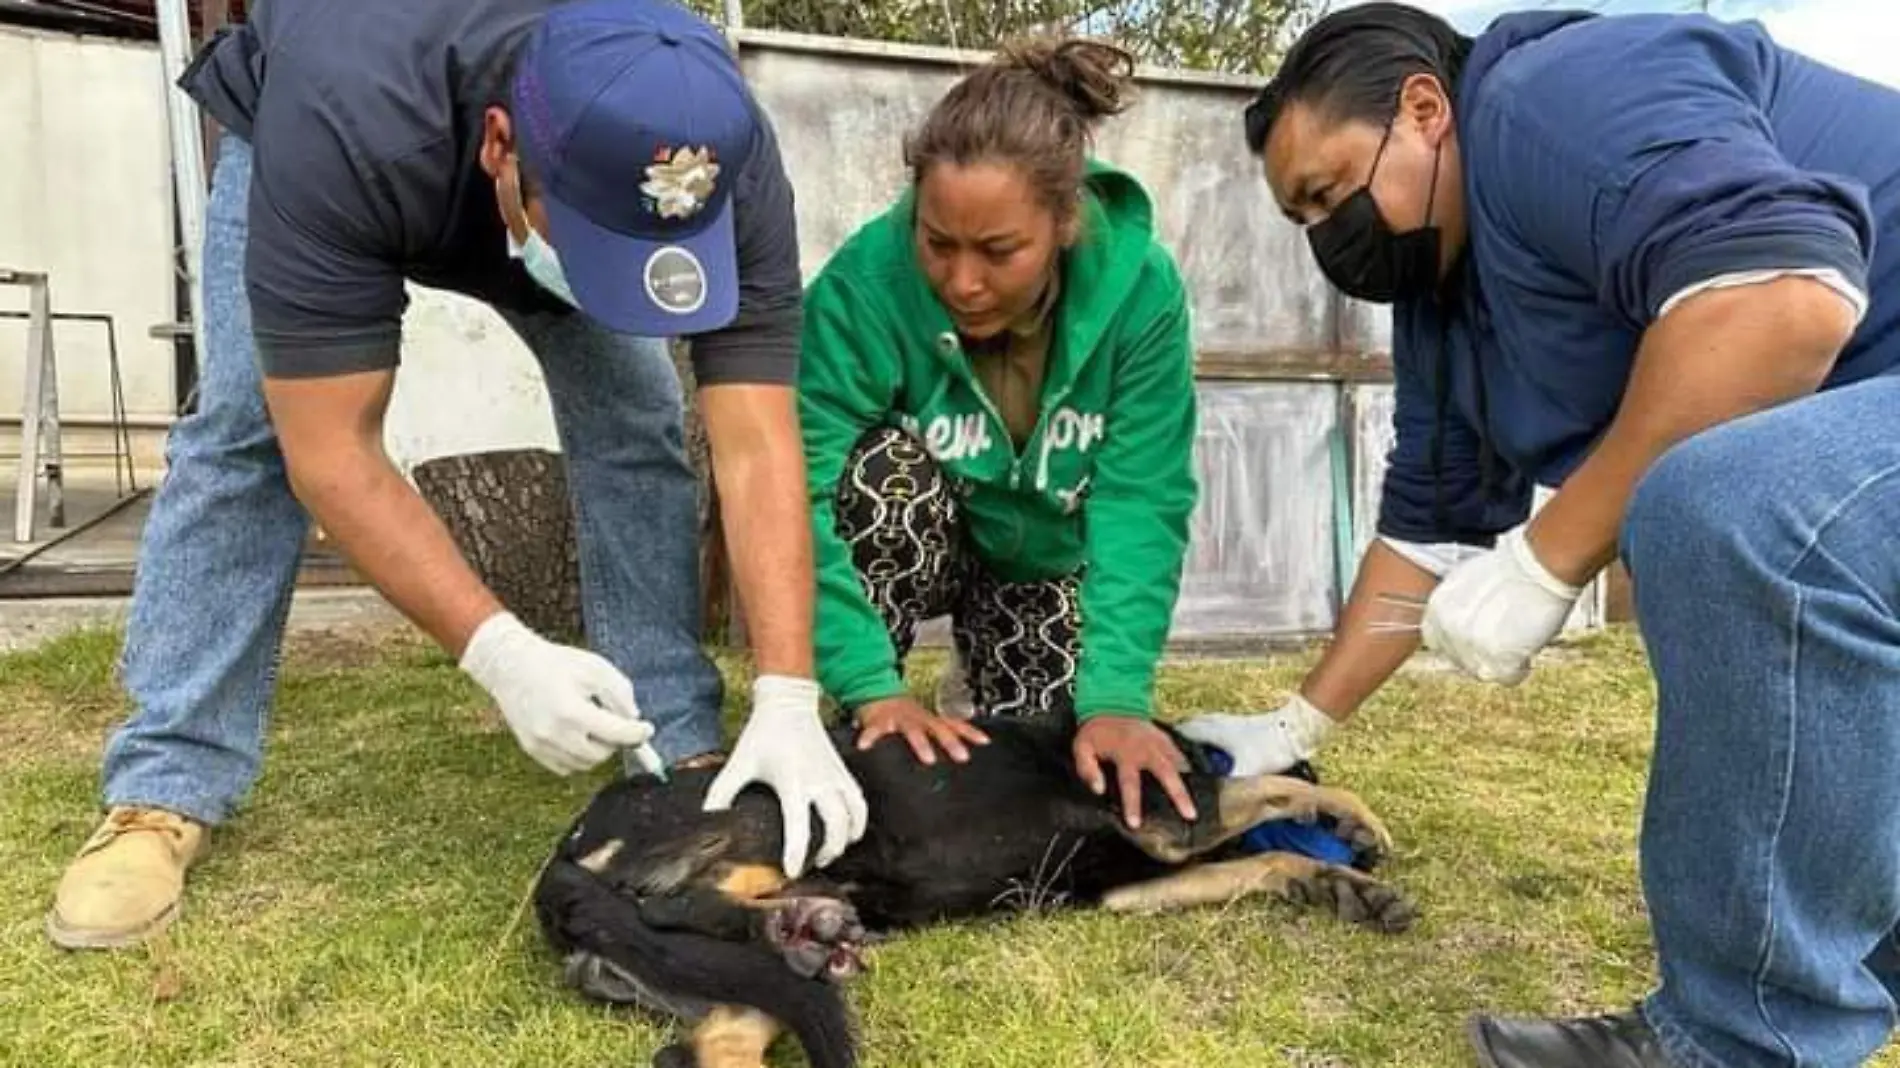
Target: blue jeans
(1765, 555)
(219, 555)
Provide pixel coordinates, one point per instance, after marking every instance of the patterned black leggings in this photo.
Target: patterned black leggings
(901, 517)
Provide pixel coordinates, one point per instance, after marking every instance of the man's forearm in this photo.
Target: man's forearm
(1718, 356)
(390, 535)
(1361, 658)
(768, 532)
(759, 468)
(331, 431)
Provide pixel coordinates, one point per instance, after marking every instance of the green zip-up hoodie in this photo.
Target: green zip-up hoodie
(1105, 480)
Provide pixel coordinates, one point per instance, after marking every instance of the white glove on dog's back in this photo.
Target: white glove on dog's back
(1494, 612)
(569, 708)
(784, 746)
(1266, 744)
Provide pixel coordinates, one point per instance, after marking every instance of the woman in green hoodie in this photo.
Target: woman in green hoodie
(997, 394)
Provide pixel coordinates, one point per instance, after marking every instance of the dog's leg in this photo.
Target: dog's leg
(723, 907)
(1352, 896)
(736, 907)
(1252, 800)
(733, 1037)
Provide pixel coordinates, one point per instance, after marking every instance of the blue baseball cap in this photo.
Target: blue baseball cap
(635, 122)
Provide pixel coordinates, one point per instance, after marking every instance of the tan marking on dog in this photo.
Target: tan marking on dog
(1229, 880)
(598, 860)
(749, 882)
(733, 1037)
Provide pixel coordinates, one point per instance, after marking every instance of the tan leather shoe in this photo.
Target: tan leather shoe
(125, 884)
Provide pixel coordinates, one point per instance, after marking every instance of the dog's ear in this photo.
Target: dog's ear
(1163, 834)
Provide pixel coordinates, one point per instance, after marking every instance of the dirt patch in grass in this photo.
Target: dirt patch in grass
(353, 645)
(36, 727)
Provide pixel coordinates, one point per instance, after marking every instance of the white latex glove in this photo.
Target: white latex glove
(1493, 613)
(569, 708)
(784, 746)
(1264, 744)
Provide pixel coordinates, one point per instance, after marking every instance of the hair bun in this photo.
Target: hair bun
(1094, 75)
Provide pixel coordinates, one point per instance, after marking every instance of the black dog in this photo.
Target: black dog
(652, 901)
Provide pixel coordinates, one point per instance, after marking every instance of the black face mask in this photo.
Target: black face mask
(1359, 253)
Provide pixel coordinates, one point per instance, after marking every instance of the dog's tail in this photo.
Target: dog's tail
(579, 911)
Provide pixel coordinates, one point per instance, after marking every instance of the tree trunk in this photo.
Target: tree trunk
(509, 513)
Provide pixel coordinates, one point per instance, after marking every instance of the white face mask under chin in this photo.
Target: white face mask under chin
(538, 257)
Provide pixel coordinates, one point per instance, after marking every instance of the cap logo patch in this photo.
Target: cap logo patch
(675, 281)
(680, 181)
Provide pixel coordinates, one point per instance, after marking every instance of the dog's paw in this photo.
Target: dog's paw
(1369, 851)
(1353, 821)
(1356, 899)
(817, 936)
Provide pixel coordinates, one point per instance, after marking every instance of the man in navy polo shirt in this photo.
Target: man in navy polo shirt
(1652, 261)
(597, 172)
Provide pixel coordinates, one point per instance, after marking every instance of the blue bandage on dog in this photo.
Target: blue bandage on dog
(1315, 840)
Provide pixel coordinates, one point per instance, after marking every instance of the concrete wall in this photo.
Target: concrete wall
(1253, 286)
(84, 195)
(1263, 560)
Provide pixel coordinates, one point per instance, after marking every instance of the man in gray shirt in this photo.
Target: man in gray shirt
(597, 172)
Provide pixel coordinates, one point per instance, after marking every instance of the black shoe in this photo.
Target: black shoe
(1624, 1040)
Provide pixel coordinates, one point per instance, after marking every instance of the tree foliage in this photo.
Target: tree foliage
(1241, 36)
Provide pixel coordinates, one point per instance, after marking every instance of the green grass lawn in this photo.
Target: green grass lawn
(363, 908)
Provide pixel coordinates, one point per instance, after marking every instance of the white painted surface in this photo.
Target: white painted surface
(467, 383)
(1261, 551)
(84, 196)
